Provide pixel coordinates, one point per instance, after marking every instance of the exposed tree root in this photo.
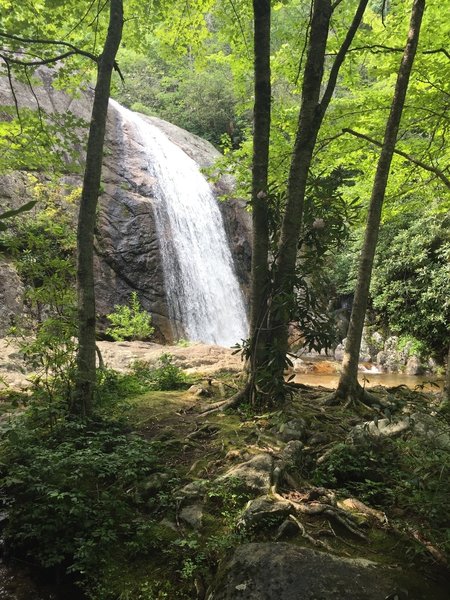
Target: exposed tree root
(438, 556)
(313, 541)
(363, 398)
(232, 402)
(320, 508)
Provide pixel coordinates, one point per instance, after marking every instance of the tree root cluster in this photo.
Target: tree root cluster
(318, 501)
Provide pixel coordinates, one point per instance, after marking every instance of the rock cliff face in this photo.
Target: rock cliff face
(127, 248)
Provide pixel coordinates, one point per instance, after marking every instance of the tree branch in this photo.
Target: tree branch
(340, 56)
(75, 50)
(375, 48)
(42, 61)
(416, 161)
(13, 91)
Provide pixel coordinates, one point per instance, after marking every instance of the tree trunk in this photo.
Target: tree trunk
(85, 377)
(446, 402)
(348, 384)
(260, 164)
(311, 116)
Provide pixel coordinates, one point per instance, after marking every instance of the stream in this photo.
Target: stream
(427, 383)
(324, 371)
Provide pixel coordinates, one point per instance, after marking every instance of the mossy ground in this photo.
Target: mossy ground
(179, 562)
(200, 447)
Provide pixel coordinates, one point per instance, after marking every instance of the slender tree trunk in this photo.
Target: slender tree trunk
(85, 377)
(446, 402)
(348, 384)
(311, 116)
(260, 210)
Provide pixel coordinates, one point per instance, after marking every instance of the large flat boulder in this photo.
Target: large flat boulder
(283, 571)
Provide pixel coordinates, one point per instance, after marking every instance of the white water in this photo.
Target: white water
(202, 289)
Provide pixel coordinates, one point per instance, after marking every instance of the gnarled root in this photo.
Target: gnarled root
(328, 510)
(232, 402)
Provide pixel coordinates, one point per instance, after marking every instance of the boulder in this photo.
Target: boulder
(265, 511)
(254, 475)
(414, 366)
(192, 515)
(265, 571)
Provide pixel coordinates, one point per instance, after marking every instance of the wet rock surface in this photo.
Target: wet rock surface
(127, 248)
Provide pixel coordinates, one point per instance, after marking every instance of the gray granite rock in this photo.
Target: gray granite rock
(269, 571)
(254, 475)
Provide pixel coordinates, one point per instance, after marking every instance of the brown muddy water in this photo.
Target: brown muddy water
(325, 373)
(423, 383)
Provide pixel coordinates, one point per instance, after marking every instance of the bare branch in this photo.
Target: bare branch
(437, 50)
(302, 56)
(39, 41)
(412, 159)
(376, 48)
(13, 91)
(335, 5)
(236, 14)
(43, 61)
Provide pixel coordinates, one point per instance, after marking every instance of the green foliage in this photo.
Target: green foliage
(411, 346)
(13, 213)
(199, 99)
(407, 473)
(411, 284)
(72, 493)
(360, 470)
(114, 388)
(43, 246)
(166, 376)
(130, 322)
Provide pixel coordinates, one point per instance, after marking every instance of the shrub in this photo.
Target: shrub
(73, 494)
(165, 377)
(130, 322)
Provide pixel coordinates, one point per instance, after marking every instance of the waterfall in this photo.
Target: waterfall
(202, 289)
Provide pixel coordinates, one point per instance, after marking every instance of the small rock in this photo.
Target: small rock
(193, 490)
(381, 428)
(192, 515)
(203, 392)
(318, 438)
(233, 455)
(292, 452)
(154, 484)
(292, 430)
(288, 529)
(255, 475)
(265, 510)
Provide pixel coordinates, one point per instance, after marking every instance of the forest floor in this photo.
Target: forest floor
(353, 482)
(365, 485)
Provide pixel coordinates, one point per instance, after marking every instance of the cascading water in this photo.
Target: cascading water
(202, 289)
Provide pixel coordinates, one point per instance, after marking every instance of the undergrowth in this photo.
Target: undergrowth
(405, 476)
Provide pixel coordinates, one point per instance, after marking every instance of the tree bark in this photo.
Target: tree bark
(446, 401)
(82, 402)
(260, 211)
(311, 116)
(348, 384)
